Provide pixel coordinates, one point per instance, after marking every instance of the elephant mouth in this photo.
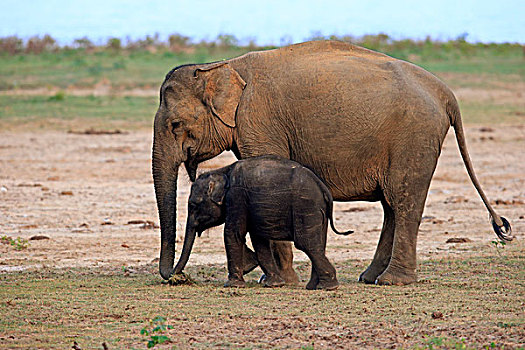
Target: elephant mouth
(191, 168)
(191, 165)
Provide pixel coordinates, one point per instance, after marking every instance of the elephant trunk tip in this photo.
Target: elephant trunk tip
(504, 231)
(166, 273)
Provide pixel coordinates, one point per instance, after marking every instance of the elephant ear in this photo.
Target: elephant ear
(217, 190)
(223, 88)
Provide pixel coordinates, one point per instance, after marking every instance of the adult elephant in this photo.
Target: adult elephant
(370, 126)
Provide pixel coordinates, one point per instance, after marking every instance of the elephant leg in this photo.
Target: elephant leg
(314, 279)
(266, 261)
(384, 247)
(310, 237)
(325, 271)
(283, 255)
(406, 195)
(235, 229)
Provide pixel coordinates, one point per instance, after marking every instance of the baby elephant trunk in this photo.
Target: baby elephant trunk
(189, 239)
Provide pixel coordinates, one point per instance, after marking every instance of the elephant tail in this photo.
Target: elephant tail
(500, 225)
(330, 207)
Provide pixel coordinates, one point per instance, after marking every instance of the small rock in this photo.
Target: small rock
(27, 227)
(3, 189)
(486, 129)
(66, 193)
(458, 240)
(38, 238)
(436, 315)
(136, 222)
(124, 245)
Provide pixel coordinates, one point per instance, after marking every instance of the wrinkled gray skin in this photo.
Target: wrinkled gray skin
(272, 198)
(369, 126)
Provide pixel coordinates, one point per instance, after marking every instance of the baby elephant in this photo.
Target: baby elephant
(272, 198)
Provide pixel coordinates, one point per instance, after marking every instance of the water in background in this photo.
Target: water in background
(265, 22)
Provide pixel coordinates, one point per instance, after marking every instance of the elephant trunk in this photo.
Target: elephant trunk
(165, 174)
(189, 239)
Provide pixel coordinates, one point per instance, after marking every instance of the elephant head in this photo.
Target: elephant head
(205, 210)
(194, 122)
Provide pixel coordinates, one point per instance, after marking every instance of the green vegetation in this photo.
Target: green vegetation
(18, 243)
(62, 111)
(472, 303)
(156, 332)
(144, 63)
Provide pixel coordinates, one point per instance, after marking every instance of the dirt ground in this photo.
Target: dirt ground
(80, 192)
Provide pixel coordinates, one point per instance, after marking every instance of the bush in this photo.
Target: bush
(114, 44)
(11, 45)
(37, 45)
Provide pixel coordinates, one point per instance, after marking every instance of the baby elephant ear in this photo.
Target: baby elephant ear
(222, 90)
(217, 190)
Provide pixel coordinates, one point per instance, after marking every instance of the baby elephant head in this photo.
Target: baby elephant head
(205, 210)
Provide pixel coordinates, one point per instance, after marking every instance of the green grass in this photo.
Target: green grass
(76, 68)
(489, 113)
(68, 111)
(478, 65)
(480, 299)
(139, 68)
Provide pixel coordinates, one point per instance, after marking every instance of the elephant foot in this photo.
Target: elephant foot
(369, 276)
(396, 277)
(289, 276)
(328, 285)
(323, 285)
(312, 283)
(274, 281)
(231, 283)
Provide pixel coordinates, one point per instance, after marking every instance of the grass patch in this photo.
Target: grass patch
(130, 68)
(479, 300)
(106, 111)
(489, 113)
(68, 69)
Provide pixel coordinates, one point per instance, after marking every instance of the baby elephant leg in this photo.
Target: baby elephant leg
(324, 271)
(234, 242)
(310, 237)
(267, 261)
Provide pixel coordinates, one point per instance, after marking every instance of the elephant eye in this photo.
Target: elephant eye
(175, 126)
